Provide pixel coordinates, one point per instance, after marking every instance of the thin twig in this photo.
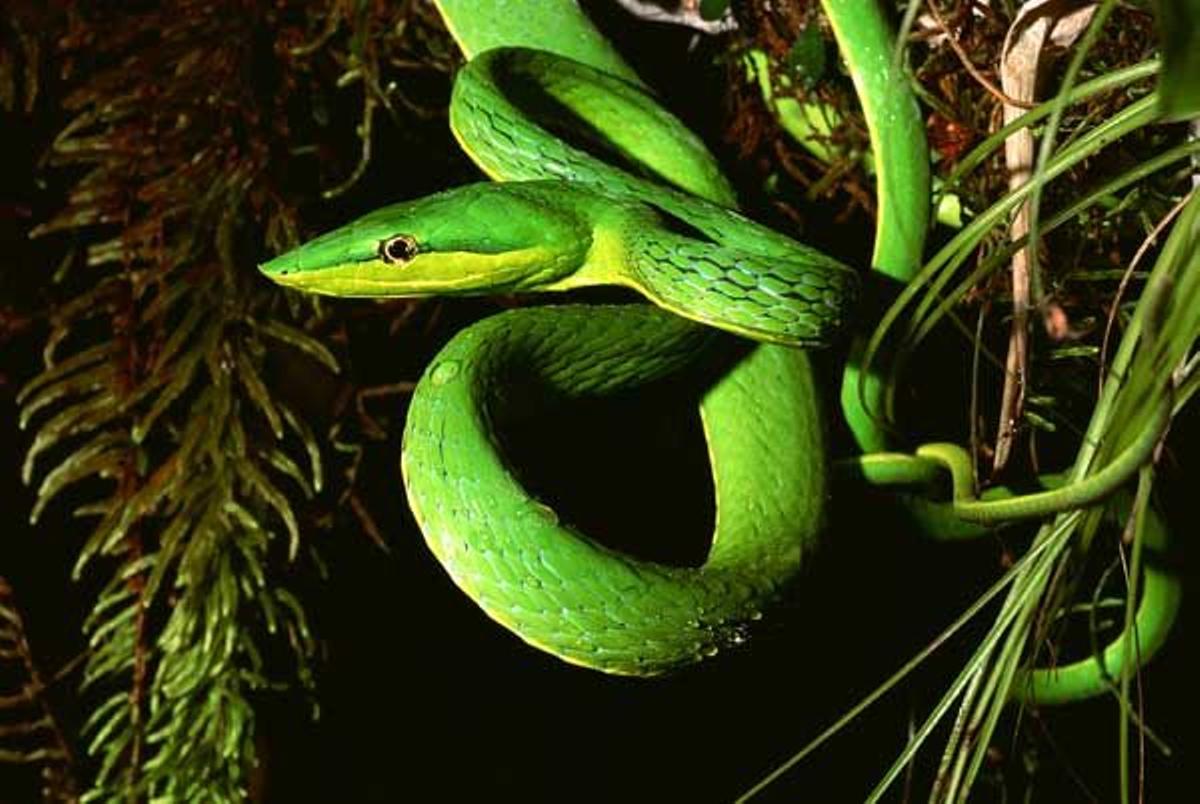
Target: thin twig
(975, 72)
(1149, 241)
(976, 440)
(370, 102)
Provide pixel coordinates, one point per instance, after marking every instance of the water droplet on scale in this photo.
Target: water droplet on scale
(444, 372)
(546, 512)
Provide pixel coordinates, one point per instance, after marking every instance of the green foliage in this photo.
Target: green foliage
(156, 415)
(807, 56)
(164, 407)
(1124, 201)
(1179, 29)
(713, 9)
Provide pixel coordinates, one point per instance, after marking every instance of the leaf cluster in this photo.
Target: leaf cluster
(156, 418)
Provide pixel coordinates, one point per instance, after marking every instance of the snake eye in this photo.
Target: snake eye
(400, 248)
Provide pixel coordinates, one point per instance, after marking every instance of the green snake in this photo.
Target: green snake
(540, 82)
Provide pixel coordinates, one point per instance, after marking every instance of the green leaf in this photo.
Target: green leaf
(122, 619)
(114, 752)
(78, 384)
(713, 9)
(299, 340)
(57, 371)
(268, 493)
(301, 621)
(181, 335)
(84, 417)
(117, 592)
(117, 716)
(169, 546)
(104, 710)
(111, 658)
(282, 462)
(185, 672)
(181, 378)
(807, 59)
(103, 456)
(1040, 422)
(257, 391)
(311, 446)
(108, 535)
(1179, 86)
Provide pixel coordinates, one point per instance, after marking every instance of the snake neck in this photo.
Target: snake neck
(742, 284)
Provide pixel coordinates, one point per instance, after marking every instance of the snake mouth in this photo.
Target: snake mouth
(372, 279)
(441, 274)
(340, 280)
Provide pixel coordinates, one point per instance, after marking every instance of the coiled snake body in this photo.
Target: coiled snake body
(568, 220)
(565, 219)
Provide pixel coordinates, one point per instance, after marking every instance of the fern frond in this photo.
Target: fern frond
(29, 733)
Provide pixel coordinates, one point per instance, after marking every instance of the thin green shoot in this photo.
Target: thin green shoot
(905, 670)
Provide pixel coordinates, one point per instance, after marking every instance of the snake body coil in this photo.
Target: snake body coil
(562, 220)
(555, 587)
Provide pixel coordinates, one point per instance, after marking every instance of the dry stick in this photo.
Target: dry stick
(1021, 59)
(1019, 76)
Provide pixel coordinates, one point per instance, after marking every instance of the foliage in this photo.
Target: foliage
(1179, 29)
(1102, 211)
(155, 416)
(30, 733)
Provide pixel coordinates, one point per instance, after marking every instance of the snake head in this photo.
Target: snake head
(480, 238)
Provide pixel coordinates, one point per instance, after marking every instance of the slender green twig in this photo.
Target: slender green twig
(1131, 118)
(893, 680)
(1132, 658)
